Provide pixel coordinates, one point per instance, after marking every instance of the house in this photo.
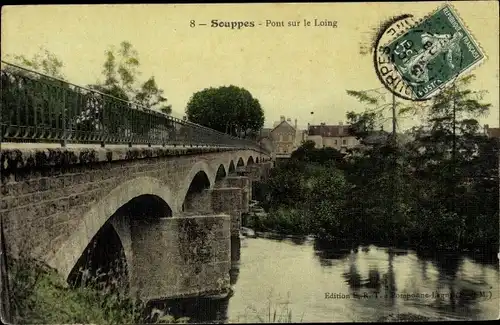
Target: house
(283, 136)
(332, 136)
(491, 132)
(282, 139)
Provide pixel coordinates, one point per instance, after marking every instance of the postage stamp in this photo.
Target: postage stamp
(433, 53)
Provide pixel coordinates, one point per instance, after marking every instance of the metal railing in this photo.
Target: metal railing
(39, 108)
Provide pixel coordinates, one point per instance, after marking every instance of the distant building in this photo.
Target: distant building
(283, 138)
(300, 137)
(491, 132)
(332, 136)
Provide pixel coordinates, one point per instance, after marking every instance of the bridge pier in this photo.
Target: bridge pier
(242, 182)
(181, 257)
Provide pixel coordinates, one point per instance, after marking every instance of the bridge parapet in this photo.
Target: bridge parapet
(40, 108)
(14, 157)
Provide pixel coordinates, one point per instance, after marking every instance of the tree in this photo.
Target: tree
(362, 124)
(120, 71)
(456, 162)
(307, 152)
(127, 114)
(44, 62)
(228, 109)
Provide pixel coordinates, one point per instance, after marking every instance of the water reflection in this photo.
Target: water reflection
(389, 278)
(327, 255)
(339, 285)
(352, 277)
(299, 240)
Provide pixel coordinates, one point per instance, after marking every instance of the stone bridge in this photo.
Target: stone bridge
(162, 216)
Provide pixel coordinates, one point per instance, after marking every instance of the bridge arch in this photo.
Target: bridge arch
(231, 169)
(240, 163)
(195, 190)
(221, 173)
(65, 258)
(250, 161)
(110, 250)
(187, 184)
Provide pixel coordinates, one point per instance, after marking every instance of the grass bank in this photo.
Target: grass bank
(38, 295)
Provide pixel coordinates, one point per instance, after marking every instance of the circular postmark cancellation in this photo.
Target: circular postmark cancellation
(384, 67)
(423, 58)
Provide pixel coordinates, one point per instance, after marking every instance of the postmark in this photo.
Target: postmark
(384, 67)
(431, 54)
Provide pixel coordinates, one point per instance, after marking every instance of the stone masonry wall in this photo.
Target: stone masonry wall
(241, 182)
(229, 200)
(178, 257)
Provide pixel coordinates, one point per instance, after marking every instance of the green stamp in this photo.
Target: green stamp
(433, 53)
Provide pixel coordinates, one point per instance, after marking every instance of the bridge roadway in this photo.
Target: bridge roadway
(165, 214)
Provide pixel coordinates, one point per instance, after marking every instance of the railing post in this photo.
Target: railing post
(63, 140)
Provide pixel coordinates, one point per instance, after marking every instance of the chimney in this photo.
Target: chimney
(340, 123)
(289, 120)
(282, 118)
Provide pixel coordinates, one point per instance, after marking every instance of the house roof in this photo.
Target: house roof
(282, 122)
(330, 130)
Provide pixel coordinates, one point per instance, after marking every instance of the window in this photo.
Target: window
(335, 141)
(344, 142)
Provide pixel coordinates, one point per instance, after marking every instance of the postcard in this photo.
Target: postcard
(254, 162)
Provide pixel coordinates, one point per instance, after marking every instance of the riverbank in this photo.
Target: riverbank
(38, 295)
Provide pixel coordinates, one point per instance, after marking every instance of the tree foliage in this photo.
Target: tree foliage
(43, 61)
(228, 109)
(121, 79)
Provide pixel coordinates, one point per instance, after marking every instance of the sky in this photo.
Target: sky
(292, 71)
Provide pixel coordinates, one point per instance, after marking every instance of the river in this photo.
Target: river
(369, 284)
